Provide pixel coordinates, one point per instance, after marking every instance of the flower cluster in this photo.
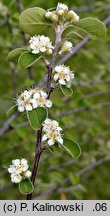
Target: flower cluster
(52, 132)
(63, 75)
(62, 13)
(19, 170)
(31, 99)
(41, 44)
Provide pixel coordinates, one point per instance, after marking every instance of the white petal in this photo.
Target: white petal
(23, 161)
(60, 140)
(68, 78)
(48, 103)
(26, 94)
(44, 138)
(33, 100)
(54, 122)
(36, 95)
(47, 121)
(19, 101)
(58, 68)
(35, 105)
(16, 178)
(16, 162)
(51, 142)
(42, 49)
(28, 107)
(11, 169)
(35, 51)
(21, 108)
(43, 94)
(56, 76)
(24, 168)
(62, 82)
(59, 128)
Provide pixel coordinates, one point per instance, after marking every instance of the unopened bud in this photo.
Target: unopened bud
(54, 18)
(27, 174)
(61, 13)
(61, 6)
(71, 15)
(48, 15)
(49, 51)
(67, 46)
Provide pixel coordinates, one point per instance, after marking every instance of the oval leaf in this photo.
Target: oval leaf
(66, 91)
(26, 186)
(93, 26)
(74, 32)
(15, 53)
(74, 36)
(27, 59)
(33, 21)
(36, 117)
(72, 147)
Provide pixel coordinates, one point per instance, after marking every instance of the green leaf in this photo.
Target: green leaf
(33, 21)
(74, 35)
(66, 91)
(15, 53)
(93, 26)
(74, 32)
(36, 117)
(27, 59)
(26, 186)
(12, 111)
(74, 178)
(72, 147)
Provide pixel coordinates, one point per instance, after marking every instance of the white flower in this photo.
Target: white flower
(61, 6)
(52, 132)
(41, 99)
(72, 16)
(31, 99)
(18, 166)
(16, 178)
(23, 101)
(63, 75)
(40, 44)
(19, 170)
(67, 47)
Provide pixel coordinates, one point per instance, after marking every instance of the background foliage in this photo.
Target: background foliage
(85, 117)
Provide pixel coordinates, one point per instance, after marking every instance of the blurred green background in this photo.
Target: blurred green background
(85, 116)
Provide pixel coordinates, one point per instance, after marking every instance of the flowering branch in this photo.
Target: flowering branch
(39, 133)
(36, 101)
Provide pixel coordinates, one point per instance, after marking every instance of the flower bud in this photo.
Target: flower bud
(54, 18)
(49, 51)
(72, 16)
(48, 15)
(61, 13)
(63, 7)
(67, 46)
(27, 174)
